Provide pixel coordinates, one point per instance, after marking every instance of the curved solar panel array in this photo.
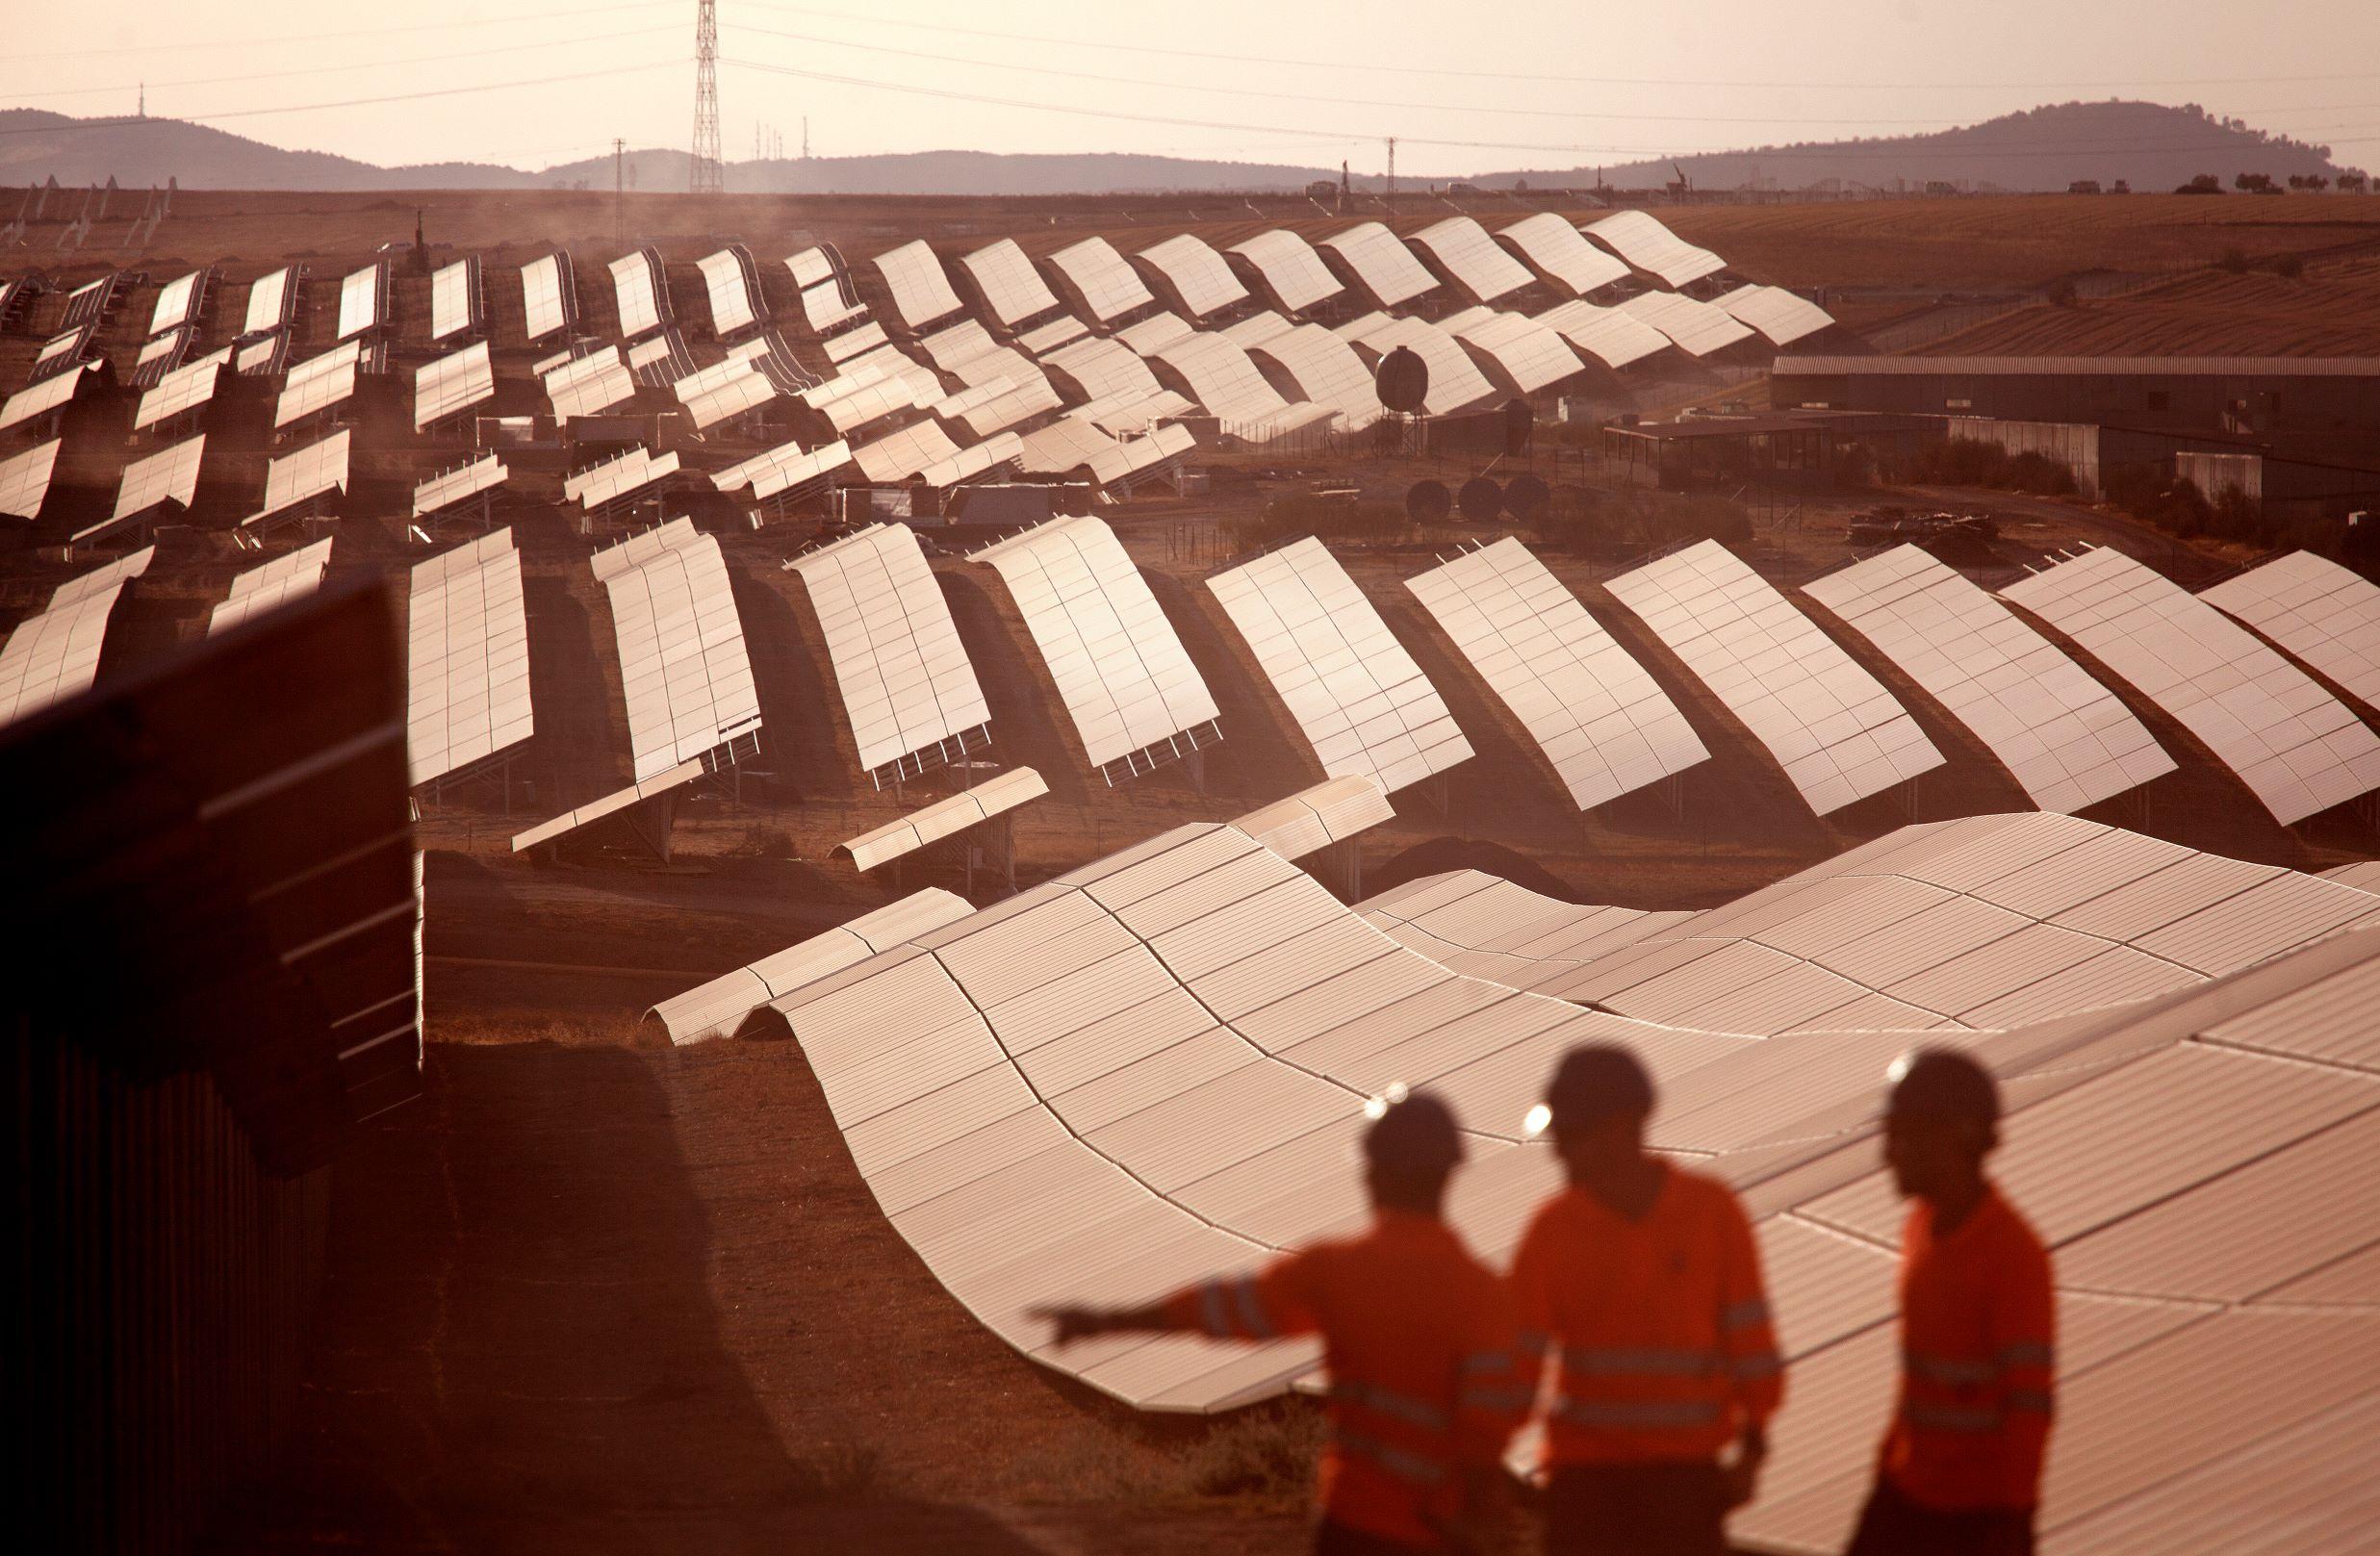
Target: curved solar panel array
(467, 658)
(1601, 722)
(2069, 740)
(682, 664)
(2317, 610)
(53, 654)
(1837, 732)
(260, 589)
(1127, 684)
(904, 679)
(2296, 746)
(1363, 705)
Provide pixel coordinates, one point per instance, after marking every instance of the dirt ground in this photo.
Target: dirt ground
(596, 1294)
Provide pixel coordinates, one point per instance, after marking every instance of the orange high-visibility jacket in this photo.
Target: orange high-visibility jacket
(1979, 1336)
(1417, 1341)
(1660, 1326)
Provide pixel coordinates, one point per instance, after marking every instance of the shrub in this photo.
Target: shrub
(2290, 266)
(2061, 293)
(1297, 514)
(1973, 462)
(2235, 261)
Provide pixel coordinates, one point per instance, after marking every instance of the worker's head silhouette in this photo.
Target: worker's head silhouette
(1595, 1105)
(1410, 1150)
(1941, 1118)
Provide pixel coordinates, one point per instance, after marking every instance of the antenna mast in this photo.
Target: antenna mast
(703, 172)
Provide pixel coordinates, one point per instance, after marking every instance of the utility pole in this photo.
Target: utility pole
(806, 137)
(619, 205)
(1392, 169)
(703, 175)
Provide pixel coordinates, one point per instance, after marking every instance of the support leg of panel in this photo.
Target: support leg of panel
(1007, 851)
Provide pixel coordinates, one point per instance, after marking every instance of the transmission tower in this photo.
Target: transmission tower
(703, 175)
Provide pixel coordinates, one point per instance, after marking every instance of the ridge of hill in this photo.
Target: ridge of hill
(2152, 145)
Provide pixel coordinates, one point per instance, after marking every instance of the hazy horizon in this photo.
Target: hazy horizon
(1534, 85)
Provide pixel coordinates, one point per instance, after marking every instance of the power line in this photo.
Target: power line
(1346, 137)
(1407, 105)
(1568, 80)
(360, 65)
(324, 37)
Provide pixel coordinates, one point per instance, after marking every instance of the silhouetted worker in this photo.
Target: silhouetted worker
(1643, 1279)
(1960, 1472)
(1416, 1337)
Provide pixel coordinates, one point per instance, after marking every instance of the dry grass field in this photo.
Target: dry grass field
(2333, 309)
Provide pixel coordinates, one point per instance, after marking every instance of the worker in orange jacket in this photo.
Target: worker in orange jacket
(1418, 1339)
(1642, 1282)
(1961, 1470)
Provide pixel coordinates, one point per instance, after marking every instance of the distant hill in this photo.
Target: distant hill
(136, 153)
(2149, 145)
(2152, 146)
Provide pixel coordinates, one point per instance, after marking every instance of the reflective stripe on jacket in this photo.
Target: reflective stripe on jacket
(1419, 1344)
(1659, 1326)
(1978, 1333)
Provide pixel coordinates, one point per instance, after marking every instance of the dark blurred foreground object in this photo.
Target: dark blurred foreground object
(212, 919)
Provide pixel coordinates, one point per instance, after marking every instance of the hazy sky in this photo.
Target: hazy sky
(1466, 85)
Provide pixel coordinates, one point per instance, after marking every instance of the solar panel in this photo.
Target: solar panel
(1455, 381)
(177, 302)
(1164, 1015)
(996, 406)
(363, 301)
(1324, 370)
(728, 283)
(926, 454)
(1313, 819)
(467, 658)
(25, 479)
(170, 475)
(1470, 258)
(454, 299)
(719, 1007)
(782, 468)
(183, 390)
(53, 655)
(1074, 442)
(2069, 740)
(618, 477)
(1290, 270)
(1104, 286)
(267, 588)
(998, 796)
(59, 350)
(544, 307)
(1639, 238)
(154, 353)
(1837, 732)
(611, 804)
(1200, 279)
(829, 300)
(1559, 253)
(1522, 353)
(271, 300)
(590, 385)
(1231, 388)
(1051, 336)
(1775, 313)
(1112, 385)
(874, 389)
(318, 384)
(453, 384)
(1127, 682)
(905, 679)
(2318, 611)
(300, 477)
(448, 488)
(1611, 337)
(1695, 327)
(1603, 722)
(1382, 265)
(967, 352)
(1013, 290)
(638, 283)
(42, 397)
(2292, 743)
(722, 391)
(682, 662)
(1366, 709)
(921, 293)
